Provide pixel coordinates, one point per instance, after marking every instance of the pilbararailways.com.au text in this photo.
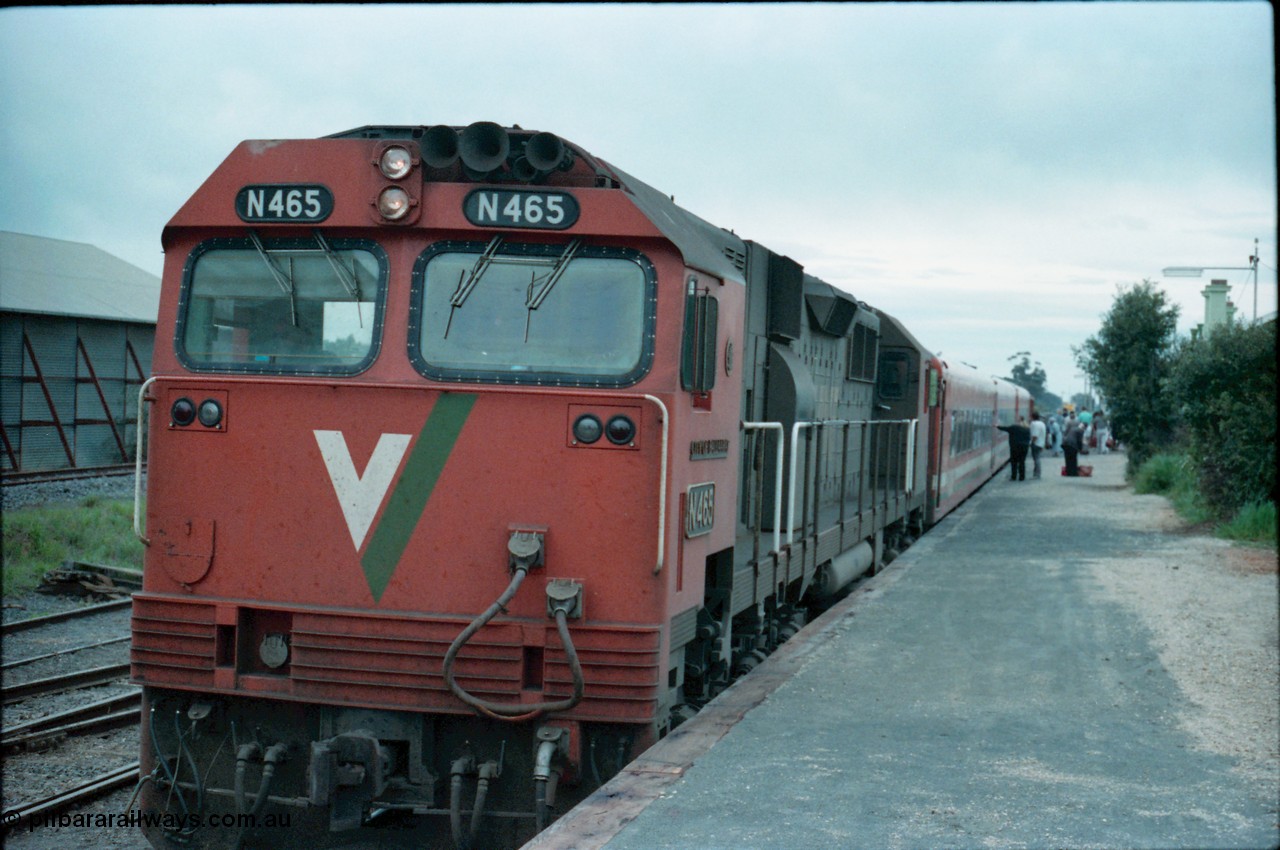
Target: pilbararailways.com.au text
(155, 820)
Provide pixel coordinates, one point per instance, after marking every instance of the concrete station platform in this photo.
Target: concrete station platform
(983, 691)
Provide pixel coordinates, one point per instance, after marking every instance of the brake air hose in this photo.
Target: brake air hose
(520, 711)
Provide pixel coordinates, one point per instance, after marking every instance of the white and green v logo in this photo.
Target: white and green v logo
(360, 495)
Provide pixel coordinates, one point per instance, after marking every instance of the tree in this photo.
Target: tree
(1021, 373)
(1033, 380)
(1128, 361)
(1225, 391)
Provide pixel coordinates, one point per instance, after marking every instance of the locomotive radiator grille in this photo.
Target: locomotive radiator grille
(173, 643)
(396, 662)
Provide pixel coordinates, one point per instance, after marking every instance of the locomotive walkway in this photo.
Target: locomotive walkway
(994, 687)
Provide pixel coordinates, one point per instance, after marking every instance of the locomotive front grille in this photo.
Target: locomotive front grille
(395, 662)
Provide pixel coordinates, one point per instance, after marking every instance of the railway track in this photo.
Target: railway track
(101, 715)
(118, 777)
(54, 756)
(63, 616)
(45, 476)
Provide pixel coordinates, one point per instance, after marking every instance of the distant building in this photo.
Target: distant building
(76, 330)
(1218, 309)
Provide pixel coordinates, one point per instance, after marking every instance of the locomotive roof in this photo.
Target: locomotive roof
(704, 246)
(55, 277)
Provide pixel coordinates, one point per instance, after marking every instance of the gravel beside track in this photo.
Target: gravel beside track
(14, 496)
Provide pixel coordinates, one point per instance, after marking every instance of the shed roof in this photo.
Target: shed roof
(60, 278)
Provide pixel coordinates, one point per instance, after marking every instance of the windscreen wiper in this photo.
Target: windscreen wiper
(281, 278)
(467, 282)
(534, 300)
(345, 277)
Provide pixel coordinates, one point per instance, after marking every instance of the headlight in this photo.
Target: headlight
(210, 413)
(183, 412)
(587, 429)
(620, 430)
(393, 203)
(395, 163)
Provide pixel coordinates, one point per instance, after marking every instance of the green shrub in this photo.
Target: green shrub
(1224, 388)
(1254, 523)
(1174, 477)
(1162, 474)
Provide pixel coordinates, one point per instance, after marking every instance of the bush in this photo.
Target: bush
(1174, 477)
(1163, 474)
(1224, 390)
(1254, 523)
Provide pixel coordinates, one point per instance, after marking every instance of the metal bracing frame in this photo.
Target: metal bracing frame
(48, 397)
(8, 448)
(102, 397)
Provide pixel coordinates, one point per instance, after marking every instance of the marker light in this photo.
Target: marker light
(210, 413)
(620, 430)
(183, 412)
(587, 429)
(395, 163)
(393, 203)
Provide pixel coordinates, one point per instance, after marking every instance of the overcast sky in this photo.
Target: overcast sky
(990, 173)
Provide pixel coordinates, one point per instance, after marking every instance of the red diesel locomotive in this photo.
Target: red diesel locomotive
(476, 465)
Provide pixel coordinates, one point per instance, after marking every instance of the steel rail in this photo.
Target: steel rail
(23, 661)
(100, 784)
(61, 616)
(115, 720)
(17, 478)
(66, 682)
(72, 716)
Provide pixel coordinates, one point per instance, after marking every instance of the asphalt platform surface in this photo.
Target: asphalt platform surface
(980, 692)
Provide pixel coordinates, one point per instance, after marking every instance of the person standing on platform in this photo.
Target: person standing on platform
(1102, 430)
(1071, 441)
(1038, 436)
(1019, 441)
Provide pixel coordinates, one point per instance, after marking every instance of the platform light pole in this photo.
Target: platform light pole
(1196, 271)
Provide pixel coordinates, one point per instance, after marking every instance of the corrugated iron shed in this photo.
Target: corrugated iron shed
(76, 332)
(59, 278)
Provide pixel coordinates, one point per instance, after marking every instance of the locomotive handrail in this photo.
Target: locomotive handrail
(796, 428)
(777, 482)
(911, 456)
(137, 467)
(662, 486)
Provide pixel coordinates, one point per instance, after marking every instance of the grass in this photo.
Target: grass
(1174, 476)
(39, 539)
(1255, 523)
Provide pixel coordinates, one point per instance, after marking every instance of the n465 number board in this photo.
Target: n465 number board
(520, 208)
(284, 202)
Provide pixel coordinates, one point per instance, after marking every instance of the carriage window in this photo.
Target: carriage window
(310, 306)
(562, 314)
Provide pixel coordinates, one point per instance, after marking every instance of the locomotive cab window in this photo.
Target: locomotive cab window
(895, 375)
(310, 306)
(523, 313)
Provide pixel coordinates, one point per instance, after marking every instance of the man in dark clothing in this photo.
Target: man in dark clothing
(1072, 440)
(1019, 442)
